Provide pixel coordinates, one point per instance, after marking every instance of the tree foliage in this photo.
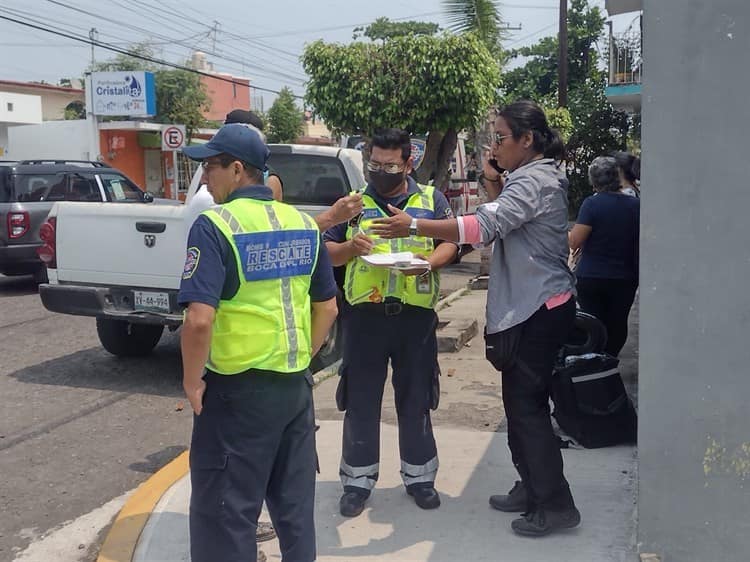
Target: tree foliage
(180, 95)
(597, 128)
(559, 118)
(383, 29)
(423, 84)
(180, 98)
(285, 119)
(477, 16)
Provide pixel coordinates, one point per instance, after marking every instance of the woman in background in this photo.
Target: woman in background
(630, 173)
(607, 233)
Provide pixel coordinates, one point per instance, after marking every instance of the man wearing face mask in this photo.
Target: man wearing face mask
(391, 317)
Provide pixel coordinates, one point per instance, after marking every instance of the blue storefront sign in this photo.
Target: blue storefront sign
(129, 94)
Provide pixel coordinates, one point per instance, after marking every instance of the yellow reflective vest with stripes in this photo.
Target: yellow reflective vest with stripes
(267, 323)
(365, 283)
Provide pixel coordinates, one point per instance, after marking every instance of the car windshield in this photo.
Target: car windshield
(120, 189)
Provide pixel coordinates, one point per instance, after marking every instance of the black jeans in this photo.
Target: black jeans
(610, 301)
(526, 388)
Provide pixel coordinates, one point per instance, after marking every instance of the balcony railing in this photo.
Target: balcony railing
(625, 60)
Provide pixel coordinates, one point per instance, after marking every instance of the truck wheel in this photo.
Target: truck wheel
(125, 339)
(331, 350)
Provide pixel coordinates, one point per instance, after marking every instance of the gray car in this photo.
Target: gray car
(29, 188)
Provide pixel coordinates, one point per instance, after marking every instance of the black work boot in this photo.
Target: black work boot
(515, 501)
(425, 497)
(543, 522)
(352, 504)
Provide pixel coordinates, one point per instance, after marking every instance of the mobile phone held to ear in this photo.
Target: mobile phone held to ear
(496, 166)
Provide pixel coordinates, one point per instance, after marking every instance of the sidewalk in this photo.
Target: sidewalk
(475, 463)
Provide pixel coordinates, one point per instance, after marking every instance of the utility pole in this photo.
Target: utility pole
(214, 32)
(562, 63)
(93, 35)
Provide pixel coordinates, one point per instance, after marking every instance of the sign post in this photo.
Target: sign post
(92, 122)
(173, 140)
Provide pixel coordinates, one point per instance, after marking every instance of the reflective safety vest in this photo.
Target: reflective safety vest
(365, 283)
(267, 324)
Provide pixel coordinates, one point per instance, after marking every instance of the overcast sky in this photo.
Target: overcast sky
(259, 40)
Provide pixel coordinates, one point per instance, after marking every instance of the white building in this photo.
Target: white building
(17, 109)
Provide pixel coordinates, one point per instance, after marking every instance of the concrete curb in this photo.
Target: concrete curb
(452, 337)
(455, 295)
(122, 538)
(325, 374)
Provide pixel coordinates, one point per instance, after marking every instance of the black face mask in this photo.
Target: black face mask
(384, 183)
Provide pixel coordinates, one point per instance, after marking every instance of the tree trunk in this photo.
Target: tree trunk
(443, 169)
(426, 170)
(437, 158)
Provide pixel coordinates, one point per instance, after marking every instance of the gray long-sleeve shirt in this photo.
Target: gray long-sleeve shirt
(529, 224)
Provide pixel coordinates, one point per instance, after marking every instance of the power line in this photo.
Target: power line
(526, 7)
(530, 35)
(259, 70)
(112, 48)
(53, 45)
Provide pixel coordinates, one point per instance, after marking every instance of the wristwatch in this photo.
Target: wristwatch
(413, 227)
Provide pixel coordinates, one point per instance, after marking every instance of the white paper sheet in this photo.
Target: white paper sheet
(399, 260)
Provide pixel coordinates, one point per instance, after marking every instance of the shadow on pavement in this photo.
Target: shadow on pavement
(15, 286)
(159, 373)
(157, 460)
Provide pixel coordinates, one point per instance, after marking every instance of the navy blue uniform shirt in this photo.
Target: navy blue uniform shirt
(611, 250)
(210, 273)
(440, 204)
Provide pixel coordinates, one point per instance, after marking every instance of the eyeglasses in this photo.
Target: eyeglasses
(390, 168)
(206, 165)
(499, 138)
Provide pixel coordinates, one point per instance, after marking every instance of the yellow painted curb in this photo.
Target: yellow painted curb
(119, 546)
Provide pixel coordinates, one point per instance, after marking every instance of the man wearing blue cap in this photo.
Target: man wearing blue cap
(260, 296)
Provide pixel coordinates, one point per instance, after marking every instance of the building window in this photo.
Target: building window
(234, 90)
(10, 106)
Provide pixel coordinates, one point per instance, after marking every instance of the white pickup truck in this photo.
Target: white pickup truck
(122, 264)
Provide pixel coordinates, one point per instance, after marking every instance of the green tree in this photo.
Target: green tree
(285, 119)
(180, 95)
(597, 128)
(477, 16)
(180, 98)
(383, 29)
(75, 110)
(435, 85)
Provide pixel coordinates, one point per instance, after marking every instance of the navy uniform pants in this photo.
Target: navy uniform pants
(254, 440)
(375, 334)
(534, 448)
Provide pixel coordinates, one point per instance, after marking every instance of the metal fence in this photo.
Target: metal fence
(625, 58)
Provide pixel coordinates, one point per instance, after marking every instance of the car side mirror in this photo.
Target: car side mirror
(148, 197)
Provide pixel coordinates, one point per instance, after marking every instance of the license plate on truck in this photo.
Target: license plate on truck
(146, 300)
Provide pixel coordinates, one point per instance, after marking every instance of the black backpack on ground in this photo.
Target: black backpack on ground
(591, 404)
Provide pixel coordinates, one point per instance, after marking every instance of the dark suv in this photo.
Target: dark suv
(29, 188)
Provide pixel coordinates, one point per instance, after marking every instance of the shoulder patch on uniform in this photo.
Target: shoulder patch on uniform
(448, 212)
(191, 262)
